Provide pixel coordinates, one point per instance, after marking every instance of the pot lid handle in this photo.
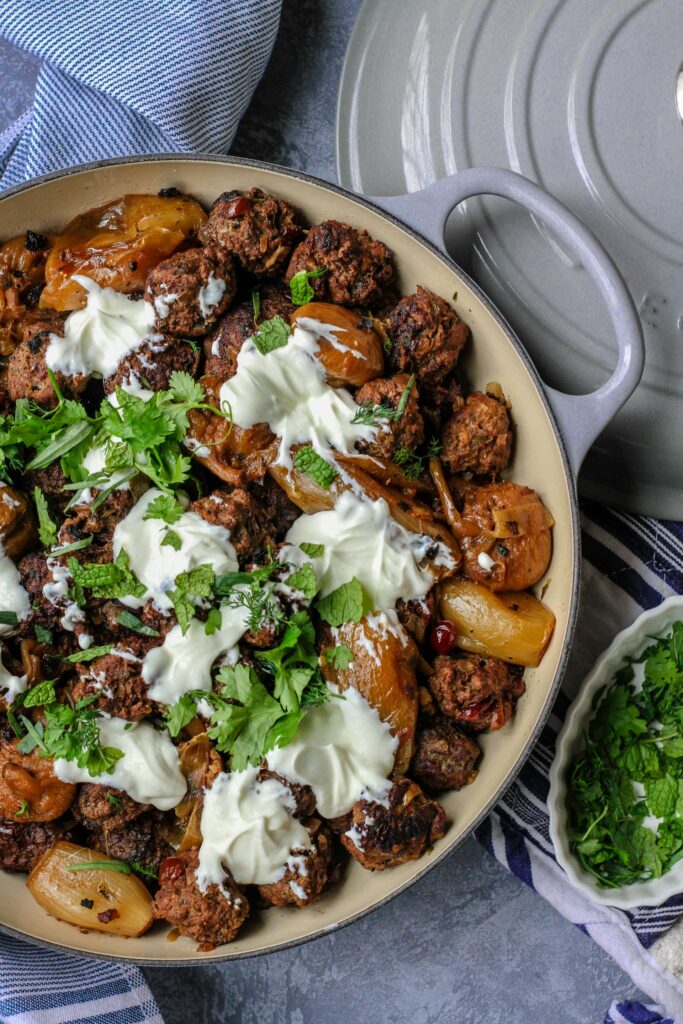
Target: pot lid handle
(581, 417)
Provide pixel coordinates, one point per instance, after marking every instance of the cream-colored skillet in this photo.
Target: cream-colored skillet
(553, 432)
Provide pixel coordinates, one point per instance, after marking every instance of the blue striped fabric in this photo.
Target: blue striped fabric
(119, 78)
(630, 563)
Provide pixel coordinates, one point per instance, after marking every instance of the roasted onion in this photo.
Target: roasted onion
(357, 356)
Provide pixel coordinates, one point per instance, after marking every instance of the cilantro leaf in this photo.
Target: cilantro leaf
(165, 507)
(241, 728)
(272, 334)
(307, 461)
(47, 531)
(185, 388)
(345, 604)
(293, 662)
(300, 287)
(339, 657)
(312, 550)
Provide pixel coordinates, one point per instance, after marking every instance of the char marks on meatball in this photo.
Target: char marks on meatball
(444, 757)
(248, 521)
(22, 844)
(27, 370)
(475, 690)
(82, 522)
(210, 918)
(407, 432)
(384, 835)
(151, 365)
(140, 840)
(309, 873)
(191, 290)
(359, 270)
(258, 229)
(477, 438)
(223, 346)
(116, 680)
(427, 337)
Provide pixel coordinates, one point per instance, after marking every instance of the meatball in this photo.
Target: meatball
(247, 520)
(477, 691)
(223, 346)
(258, 229)
(22, 844)
(444, 757)
(191, 290)
(308, 874)
(405, 432)
(359, 270)
(100, 525)
(139, 840)
(383, 836)
(116, 680)
(151, 365)
(103, 808)
(212, 917)
(416, 614)
(427, 337)
(477, 438)
(27, 371)
(149, 615)
(302, 795)
(51, 481)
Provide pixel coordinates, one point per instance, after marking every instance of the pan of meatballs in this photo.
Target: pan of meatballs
(289, 552)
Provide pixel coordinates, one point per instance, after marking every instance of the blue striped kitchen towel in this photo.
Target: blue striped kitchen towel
(629, 564)
(120, 77)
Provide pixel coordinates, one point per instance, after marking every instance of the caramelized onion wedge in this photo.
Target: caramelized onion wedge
(304, 492)
(527, 517)
(386, 471)
(100, 898)
(357, 356)
(383, 670)
(516, 627)
(445, 497)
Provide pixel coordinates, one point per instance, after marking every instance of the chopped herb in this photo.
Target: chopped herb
(256, 303)
(313, 550)
(293, 662)
(300, 287)
(339, 657)
(107, 579)
(23, 809)
(37, 696)
(271, 334)
(47, 531)
(345, 604)
(240, 728)
(171, 539)
(255, 592)
(9, 619)
(143, 870)
(307, 461)
(90, 654)
(130, 621)
(165, 507)
(78, 545)
(101, 865)
(190, 588)
(304, 580)
(372, 415)
(214, 621)
(114, 800)
(43, 636)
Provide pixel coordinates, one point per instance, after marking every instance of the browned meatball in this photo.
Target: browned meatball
(212, 917)
(139, 840)
(303, 796)
(312, 871)
(383, 836)
(82, 522)
(48, 598)
(116, 680)
(476, 690)
(27, 373)
(444, 757)
(152, 364)
(103, 808)
(359, 269)
(149, 615)
(51, 481)
(191, 290)
(406, 432)
(248, 521)
(223, 346)
(23, 843)
(427, 337)
(477, 438)
(258, 229)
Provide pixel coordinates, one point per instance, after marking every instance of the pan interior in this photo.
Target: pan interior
(538, 462)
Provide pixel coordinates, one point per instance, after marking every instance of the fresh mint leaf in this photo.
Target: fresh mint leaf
(313, 550)
(300, 287)
(47, 531)
(171, 539)
(107, 579)
(214, 621)
(345, 604)
(339, 657)
(43, 636)
(304, 580)
(307, 461)
(661, 795)
(190, 588)
(43, 693)
(271, 334)
(89, 655)
(130, 621)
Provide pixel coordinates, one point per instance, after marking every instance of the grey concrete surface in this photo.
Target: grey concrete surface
(469, 943)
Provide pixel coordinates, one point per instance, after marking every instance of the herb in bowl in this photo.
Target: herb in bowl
(625, 799)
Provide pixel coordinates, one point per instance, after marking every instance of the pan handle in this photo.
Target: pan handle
(581, 417)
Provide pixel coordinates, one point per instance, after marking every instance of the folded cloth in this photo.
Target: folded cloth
(122, 77)
(119, 78)
(629, 563)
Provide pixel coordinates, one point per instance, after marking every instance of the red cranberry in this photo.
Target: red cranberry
(238, 207)
(443, 637)
(170, 869)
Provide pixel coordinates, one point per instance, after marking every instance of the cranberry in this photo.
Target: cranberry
(170, 869)
(238, 207)
(478, 710)
(443, 637)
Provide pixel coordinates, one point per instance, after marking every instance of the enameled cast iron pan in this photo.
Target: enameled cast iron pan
(553, 433)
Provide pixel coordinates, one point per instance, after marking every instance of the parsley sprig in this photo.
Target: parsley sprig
(631, 767)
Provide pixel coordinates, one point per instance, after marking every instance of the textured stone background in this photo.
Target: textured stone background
(469, 943)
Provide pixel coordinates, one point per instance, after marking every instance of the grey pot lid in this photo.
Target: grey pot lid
(581, 97)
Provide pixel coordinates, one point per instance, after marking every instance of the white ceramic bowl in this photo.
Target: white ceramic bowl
(630, 641)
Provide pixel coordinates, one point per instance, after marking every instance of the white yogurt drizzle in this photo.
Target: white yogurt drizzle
(97, 337)
(163, 303)
(13, 596)
(56, 592)
(211, 294)
(149, 771)
(287, 389)
(156, 566)
(183, 663)
(10, 685)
